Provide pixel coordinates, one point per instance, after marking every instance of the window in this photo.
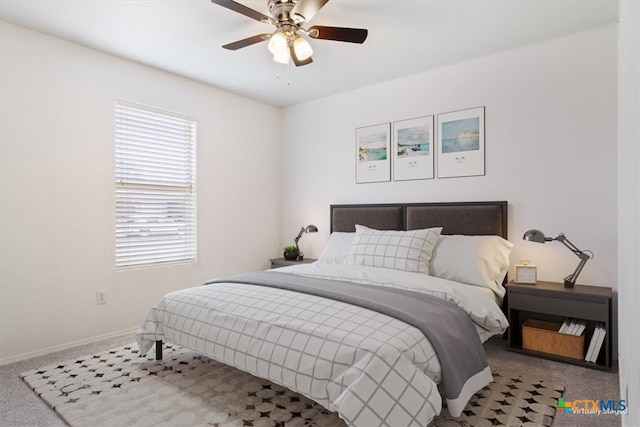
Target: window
(155, 187)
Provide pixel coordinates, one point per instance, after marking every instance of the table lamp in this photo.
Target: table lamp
(539, 237)
(308, 229)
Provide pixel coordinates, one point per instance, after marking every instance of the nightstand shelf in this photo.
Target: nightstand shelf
(281, 262)
(553, 302)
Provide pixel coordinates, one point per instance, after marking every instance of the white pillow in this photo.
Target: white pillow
(337, 248)
(474, 260)
(398, 250)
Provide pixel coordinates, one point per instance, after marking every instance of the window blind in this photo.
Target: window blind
(155, 187)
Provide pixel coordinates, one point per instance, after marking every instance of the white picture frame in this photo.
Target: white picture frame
(413, 149)
(373, 160)
(526, 274)
(461, 145)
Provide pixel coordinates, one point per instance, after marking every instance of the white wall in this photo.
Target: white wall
(550, 148)
(629, 206)
(57, 187)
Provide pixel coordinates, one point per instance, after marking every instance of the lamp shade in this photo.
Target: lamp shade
(535, 236)
(282, 57)
(278, 43)
(311, 229)
(302, 49)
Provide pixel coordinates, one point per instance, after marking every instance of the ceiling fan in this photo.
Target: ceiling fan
(288, 16)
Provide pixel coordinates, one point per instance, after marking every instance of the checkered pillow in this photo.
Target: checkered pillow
(398, 250)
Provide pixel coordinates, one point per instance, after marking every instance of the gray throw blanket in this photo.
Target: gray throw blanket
(448, 328)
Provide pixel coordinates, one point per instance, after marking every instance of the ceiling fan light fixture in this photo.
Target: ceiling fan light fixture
(287, 43)
(282, 56)
(278, 43)
(302, 48)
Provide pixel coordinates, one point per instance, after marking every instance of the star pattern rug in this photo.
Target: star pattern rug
(511, 400)
(118, 387)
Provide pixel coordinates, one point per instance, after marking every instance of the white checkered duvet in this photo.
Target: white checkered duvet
(374, 370)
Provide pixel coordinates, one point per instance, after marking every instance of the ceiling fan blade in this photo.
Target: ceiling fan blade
(246, 11)
(299, 62)
(351, 35)
(306, 9)
(247, 42)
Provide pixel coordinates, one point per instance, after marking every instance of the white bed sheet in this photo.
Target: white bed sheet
(370, 368)
(481, 304)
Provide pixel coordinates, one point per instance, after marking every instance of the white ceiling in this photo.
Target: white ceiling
(405, 37)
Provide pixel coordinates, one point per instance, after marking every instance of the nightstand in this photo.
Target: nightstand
(281, 262)
(548, 301)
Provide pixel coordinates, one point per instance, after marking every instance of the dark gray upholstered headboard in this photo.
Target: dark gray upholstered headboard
(470, 218)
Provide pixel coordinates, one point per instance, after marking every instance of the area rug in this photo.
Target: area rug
(120, 388)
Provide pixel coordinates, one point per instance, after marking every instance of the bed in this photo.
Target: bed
(390, 319)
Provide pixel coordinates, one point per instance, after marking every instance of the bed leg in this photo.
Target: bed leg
(159, 350)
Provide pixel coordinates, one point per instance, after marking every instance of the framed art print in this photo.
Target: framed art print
(461, 143)
(413, 149)
(373, 163)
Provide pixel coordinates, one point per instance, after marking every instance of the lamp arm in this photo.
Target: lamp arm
(581, 254)
(298, 238)
(570, 280)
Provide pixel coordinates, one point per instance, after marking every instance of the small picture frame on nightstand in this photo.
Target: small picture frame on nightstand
(526, 274)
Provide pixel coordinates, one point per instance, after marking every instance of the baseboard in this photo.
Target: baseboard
(54, 349)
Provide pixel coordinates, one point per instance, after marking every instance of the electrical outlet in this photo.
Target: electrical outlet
(101, 296)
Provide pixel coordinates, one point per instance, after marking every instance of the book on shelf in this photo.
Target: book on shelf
(599, 343)
(573, 327)
(592, 344)
(581, 327)
(595, 345)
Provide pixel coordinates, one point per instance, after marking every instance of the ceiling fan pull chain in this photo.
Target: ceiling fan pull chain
(277, 67)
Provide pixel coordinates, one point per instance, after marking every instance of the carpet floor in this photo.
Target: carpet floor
(21, 407)
(118, 387)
